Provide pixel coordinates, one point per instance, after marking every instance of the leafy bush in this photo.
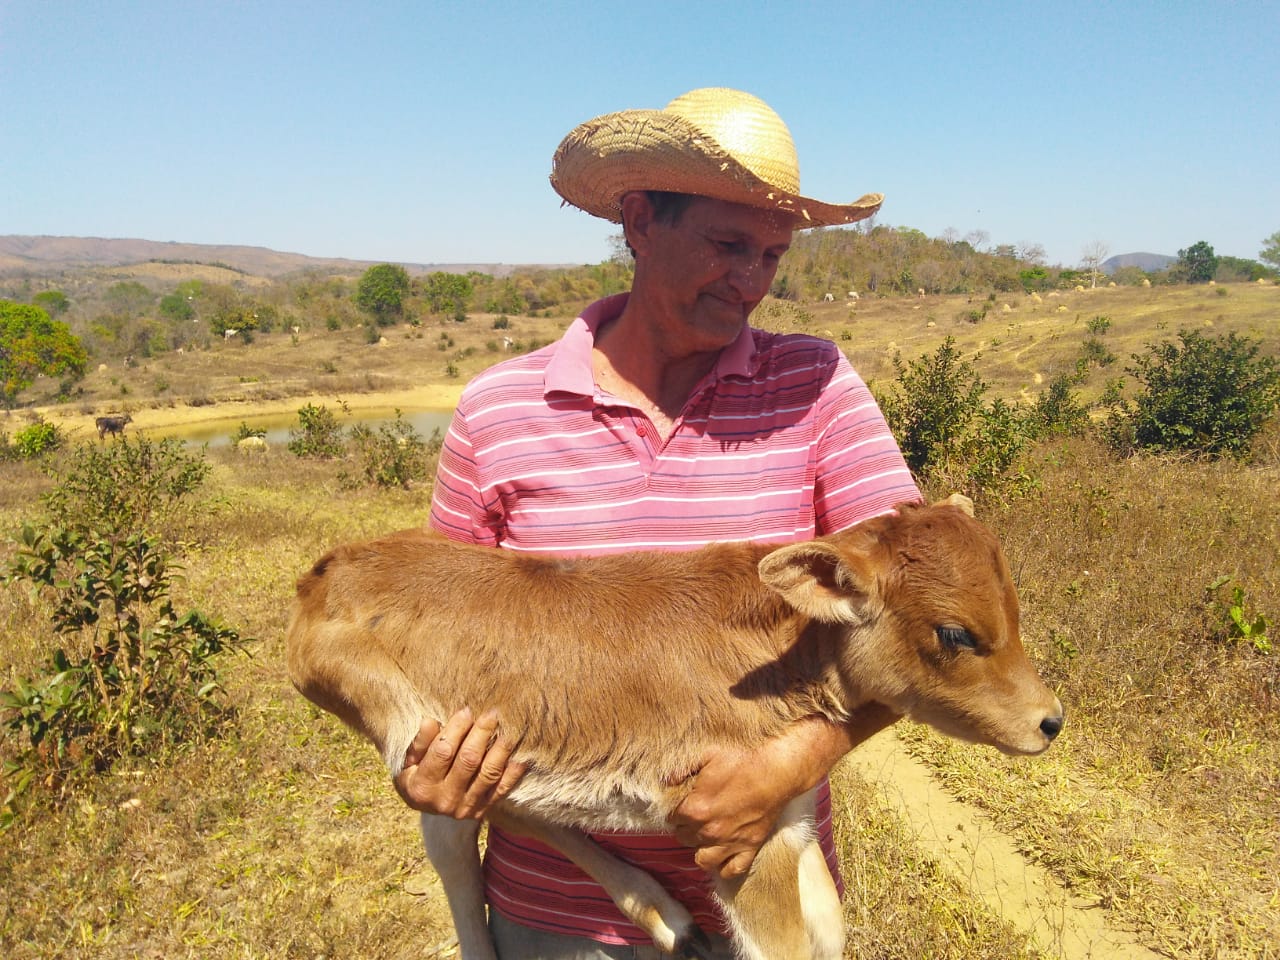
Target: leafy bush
(1235, 624)
(133, 674)
(318, 434)
(1058, 412)
(991, 451)
(244, 432)
(947, 433)
(394, 456)
(36, 440)
(937, 399)
(1093, 352)
(129, 486)
(1201, 396)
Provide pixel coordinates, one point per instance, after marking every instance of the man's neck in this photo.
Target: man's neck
(630, 362)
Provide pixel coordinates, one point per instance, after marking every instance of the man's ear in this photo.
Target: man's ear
(637, 220)
(821, 582)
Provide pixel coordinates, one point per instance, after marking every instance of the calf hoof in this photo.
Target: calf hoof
(694, 946)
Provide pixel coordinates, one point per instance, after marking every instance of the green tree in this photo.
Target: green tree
(32, 344)
(381, 292)
(115, 489)
(1201, 396)
(176, 307)
(1197, 263)
(448, 293)
(1271, 250)
(1239, 269)
(129, 297)
(53, 302)
(1034, 278)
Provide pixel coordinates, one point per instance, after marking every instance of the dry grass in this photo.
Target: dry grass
(284, 840)
(1166, 792)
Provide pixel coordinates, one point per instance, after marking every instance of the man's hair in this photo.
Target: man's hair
(668, 208)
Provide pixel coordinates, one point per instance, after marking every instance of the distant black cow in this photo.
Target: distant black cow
(111, 424)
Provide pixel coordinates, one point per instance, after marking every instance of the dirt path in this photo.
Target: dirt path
(967, 844)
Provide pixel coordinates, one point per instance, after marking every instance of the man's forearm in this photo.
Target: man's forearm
(825, 742)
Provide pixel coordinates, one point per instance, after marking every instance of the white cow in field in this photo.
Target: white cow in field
(251, 445)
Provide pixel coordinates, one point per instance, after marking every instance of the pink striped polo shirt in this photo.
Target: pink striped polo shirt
(780, 442)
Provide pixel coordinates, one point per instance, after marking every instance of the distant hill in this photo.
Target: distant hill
(1148, 262)
(23, 254)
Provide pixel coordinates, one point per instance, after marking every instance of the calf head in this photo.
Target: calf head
(929, 617)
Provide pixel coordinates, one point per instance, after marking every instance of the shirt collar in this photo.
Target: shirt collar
(569, 370)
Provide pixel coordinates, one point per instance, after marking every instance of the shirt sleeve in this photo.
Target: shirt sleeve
(860, 471)
(459, 509)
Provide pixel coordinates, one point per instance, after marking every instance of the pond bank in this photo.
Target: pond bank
(225, 417)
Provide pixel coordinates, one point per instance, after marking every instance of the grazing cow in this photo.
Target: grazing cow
(112, 425)
(616, 674)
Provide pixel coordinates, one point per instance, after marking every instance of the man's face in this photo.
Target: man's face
(708, 271)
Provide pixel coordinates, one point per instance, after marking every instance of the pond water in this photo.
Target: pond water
(218, 433)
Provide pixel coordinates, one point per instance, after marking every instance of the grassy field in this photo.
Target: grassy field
(282, 838)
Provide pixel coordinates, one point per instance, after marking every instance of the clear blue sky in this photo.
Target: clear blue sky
(423, 132)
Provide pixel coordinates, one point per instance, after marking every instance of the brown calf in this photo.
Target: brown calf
(616, 675)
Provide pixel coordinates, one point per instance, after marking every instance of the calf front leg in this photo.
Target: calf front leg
(451, 848)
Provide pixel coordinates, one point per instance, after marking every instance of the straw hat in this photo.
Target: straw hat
(712, 142)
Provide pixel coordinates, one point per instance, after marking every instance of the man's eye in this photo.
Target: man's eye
(956, 638)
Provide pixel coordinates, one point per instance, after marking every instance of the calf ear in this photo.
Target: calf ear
(820, 582)
(957, 500)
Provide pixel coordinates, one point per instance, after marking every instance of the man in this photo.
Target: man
(661, 420)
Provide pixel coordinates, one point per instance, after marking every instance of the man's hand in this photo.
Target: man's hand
(459, 770)
(738, 795)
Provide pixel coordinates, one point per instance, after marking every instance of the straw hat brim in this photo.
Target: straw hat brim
(603, 159)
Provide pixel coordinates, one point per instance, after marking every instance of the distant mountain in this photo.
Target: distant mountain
(21, 254)
(1148, 262)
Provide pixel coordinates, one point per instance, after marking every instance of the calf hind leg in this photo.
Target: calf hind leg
(786, 907)
(638, 895)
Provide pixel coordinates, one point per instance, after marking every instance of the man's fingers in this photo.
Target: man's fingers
(472, 765)
(496, 775)
(511, 775)
(449, 740)
(421, 742)
(459, 769)
(428, 784)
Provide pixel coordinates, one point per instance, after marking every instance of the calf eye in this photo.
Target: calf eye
(955, 638)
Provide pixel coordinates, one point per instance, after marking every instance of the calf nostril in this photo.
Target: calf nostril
(1051, 726)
